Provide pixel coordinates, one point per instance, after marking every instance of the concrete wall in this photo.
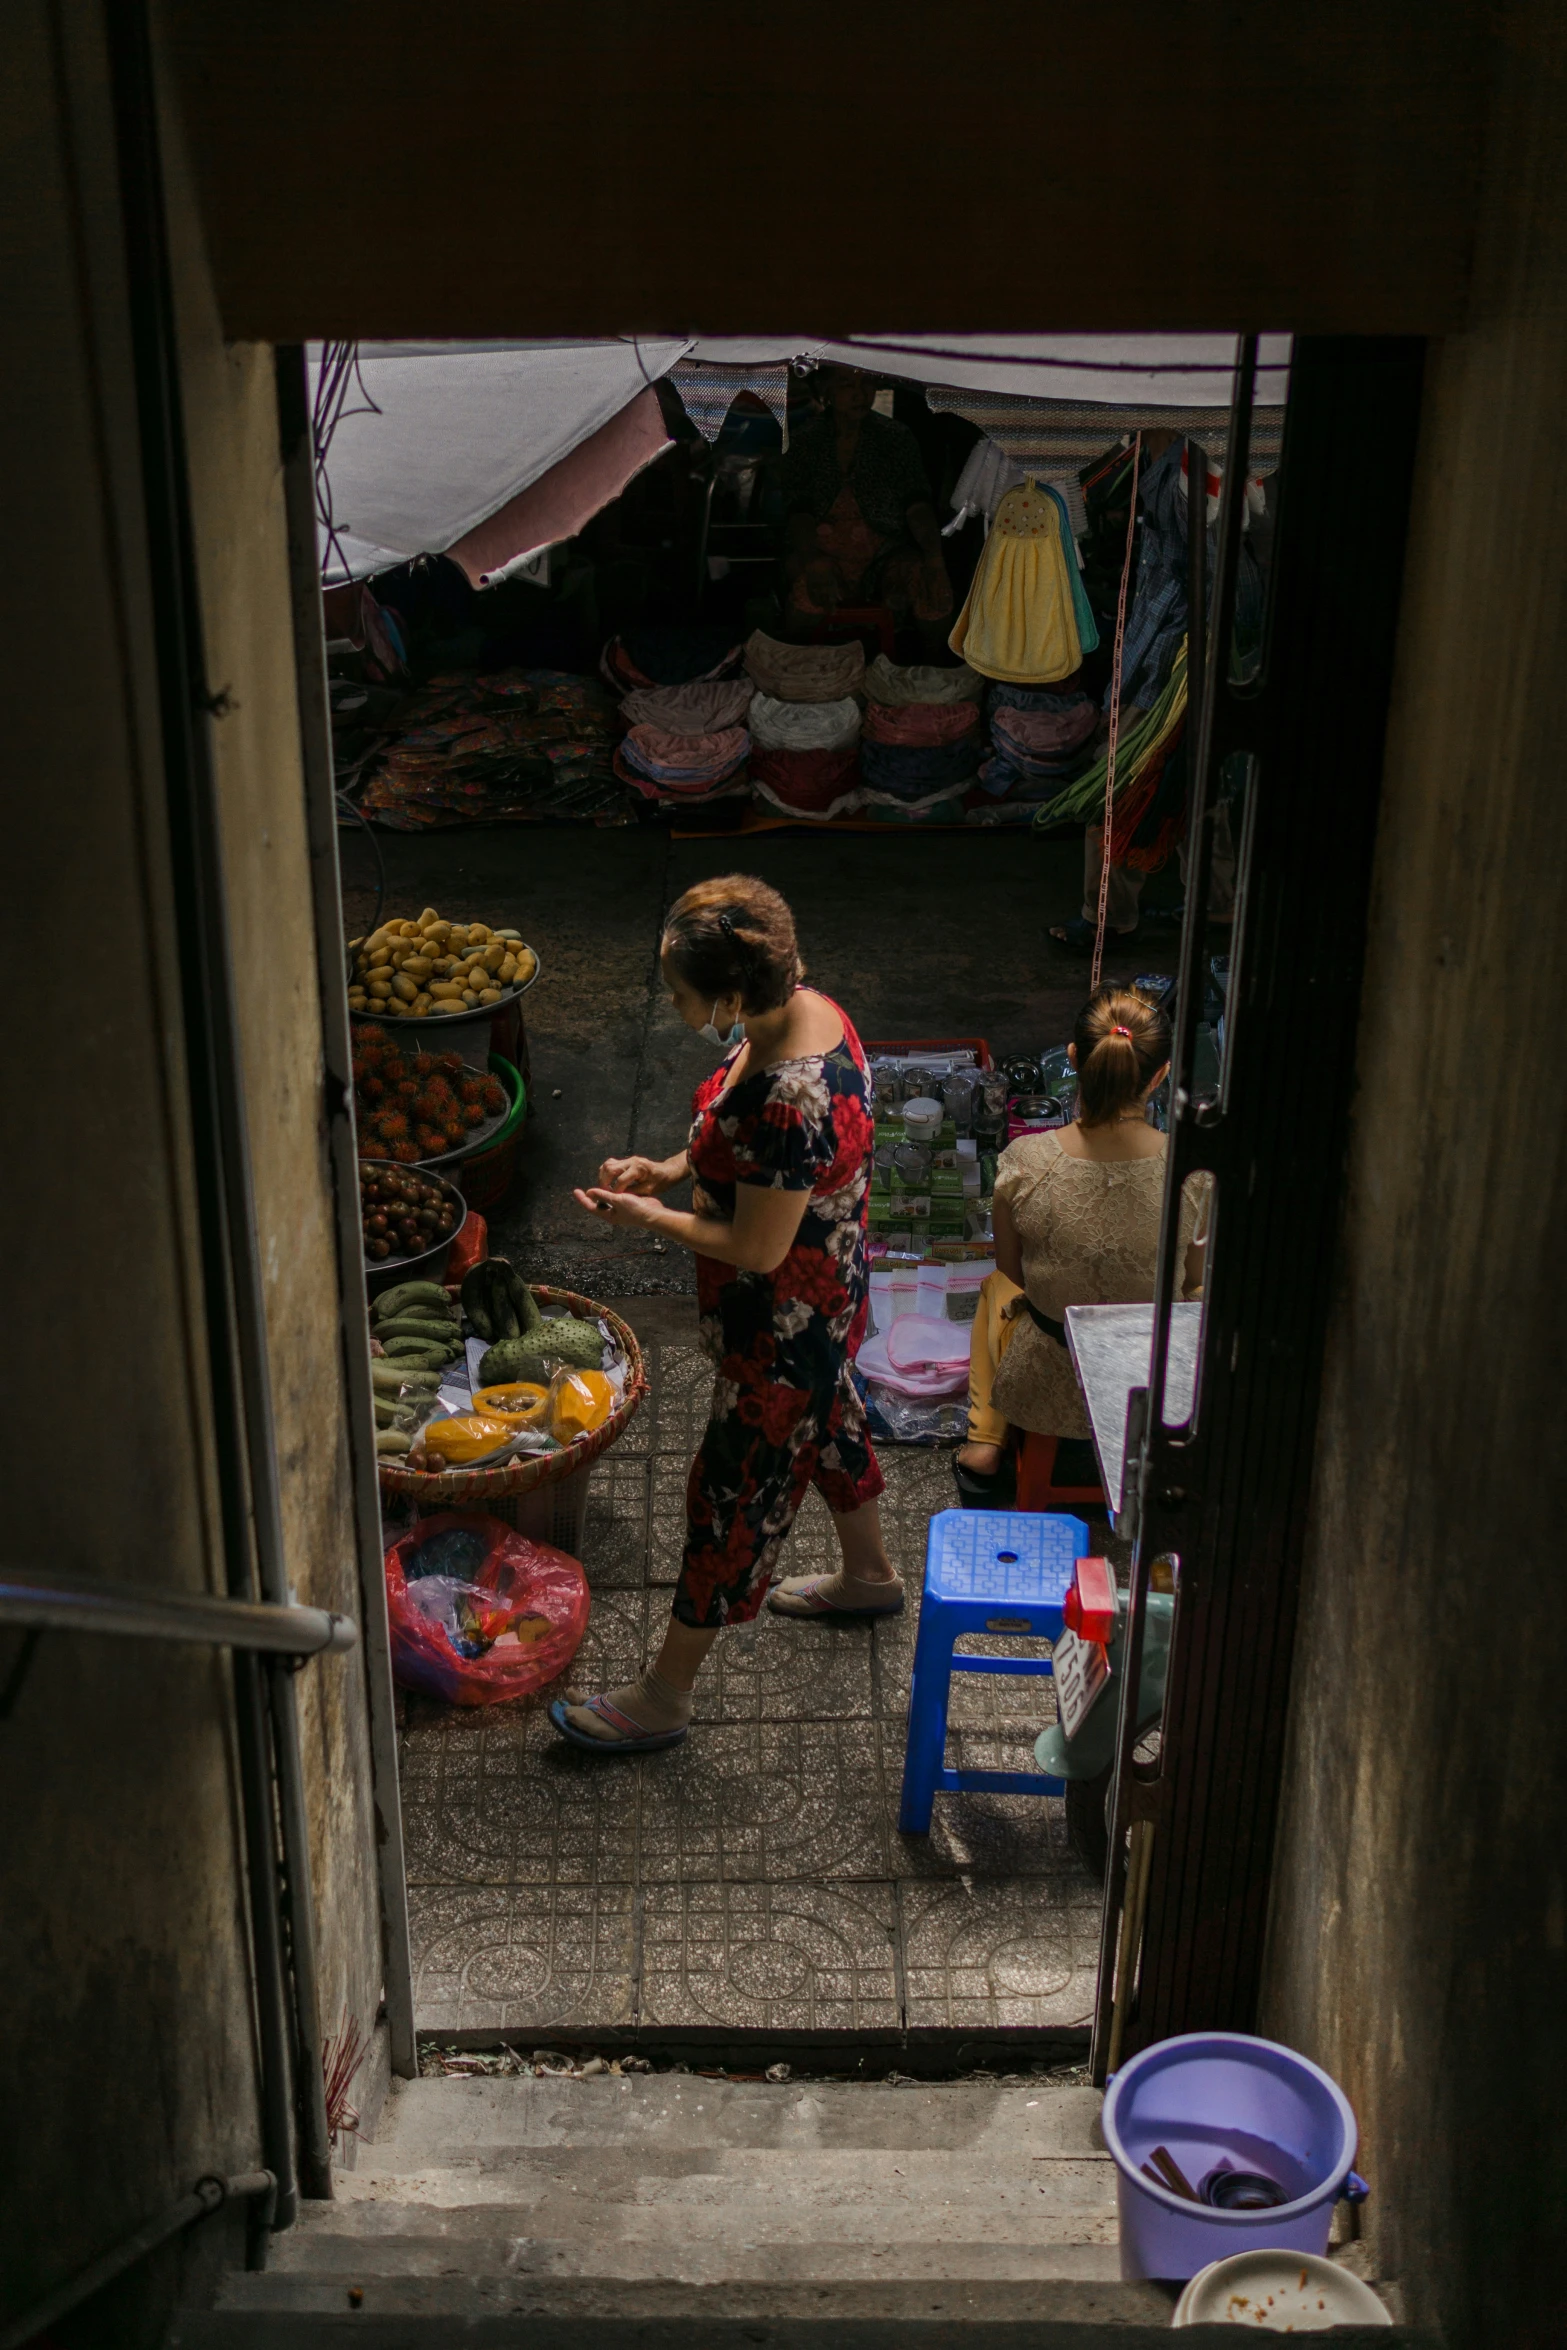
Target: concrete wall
(130, 2067)
(242, 558)
(1021, 164)
(1419, 1937)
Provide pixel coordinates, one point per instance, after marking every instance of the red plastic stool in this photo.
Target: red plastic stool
(1036, 1486)
(852, 619)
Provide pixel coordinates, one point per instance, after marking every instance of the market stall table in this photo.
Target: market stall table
(1110, 1347)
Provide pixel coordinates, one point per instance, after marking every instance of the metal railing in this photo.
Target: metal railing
(208, 2195)
(128, 1610)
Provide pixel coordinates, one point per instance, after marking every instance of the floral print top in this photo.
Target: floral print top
(802, 1125)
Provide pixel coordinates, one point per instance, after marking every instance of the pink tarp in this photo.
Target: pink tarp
(558, 505)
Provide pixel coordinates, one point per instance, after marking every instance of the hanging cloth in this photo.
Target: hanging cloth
(1082, 610)
(1020, 619)
(707, 392)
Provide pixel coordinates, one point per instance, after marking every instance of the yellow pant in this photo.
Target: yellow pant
(992, 1335)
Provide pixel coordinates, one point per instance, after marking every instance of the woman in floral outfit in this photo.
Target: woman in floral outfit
(779, 1153)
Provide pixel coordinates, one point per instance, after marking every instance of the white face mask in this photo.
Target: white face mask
(709, 1031)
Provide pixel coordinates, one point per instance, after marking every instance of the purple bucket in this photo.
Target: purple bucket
(1224, 2103)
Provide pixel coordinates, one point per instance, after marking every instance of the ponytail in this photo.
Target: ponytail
(1122, 1043)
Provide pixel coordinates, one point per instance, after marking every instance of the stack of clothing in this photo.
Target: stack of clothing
(805, 725)
(686, 743)
(1041, 740)
(921, 745)
(641, 657)
(512, 747)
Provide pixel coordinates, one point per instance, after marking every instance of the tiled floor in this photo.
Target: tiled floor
(753, 1878)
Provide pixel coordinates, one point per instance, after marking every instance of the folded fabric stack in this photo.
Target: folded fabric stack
(667, 656)
(805, 673)
(921, 745)
(919, 1358)
(512, 747)
(686, 743)
(685, 767)
(1041, 738)
(805, 726)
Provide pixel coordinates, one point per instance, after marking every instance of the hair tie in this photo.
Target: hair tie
(724, 923)
(1118, 1030)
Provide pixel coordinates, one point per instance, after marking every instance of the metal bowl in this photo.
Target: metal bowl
(426, 1264)
(436, 1022)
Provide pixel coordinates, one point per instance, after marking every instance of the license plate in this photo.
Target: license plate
(1081, 1671)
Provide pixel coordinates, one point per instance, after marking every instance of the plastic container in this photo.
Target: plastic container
(923, 1119)
(1217, 2101)
(889, 1048)
(1278, 2292)
(486, 1177)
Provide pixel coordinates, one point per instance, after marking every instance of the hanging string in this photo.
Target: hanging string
(1115, 723)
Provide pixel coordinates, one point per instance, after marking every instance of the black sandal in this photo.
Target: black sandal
(1077, 936)
(997, 1491)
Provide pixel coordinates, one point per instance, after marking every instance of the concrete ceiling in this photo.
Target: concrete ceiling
(389, 168)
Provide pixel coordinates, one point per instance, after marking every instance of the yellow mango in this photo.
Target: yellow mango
(479, 931)
(583, 1401)
(466, 1438)
(403, 988)
(489, 995)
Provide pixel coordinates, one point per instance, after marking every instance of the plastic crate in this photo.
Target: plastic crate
(929, 1044)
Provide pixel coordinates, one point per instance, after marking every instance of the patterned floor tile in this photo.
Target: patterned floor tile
(683, 1393)
(766, 1800)
(499, 1798)
(776, 1671)
(614, 1539)
(797, 1957)
(981, 1952)
(528, 1958)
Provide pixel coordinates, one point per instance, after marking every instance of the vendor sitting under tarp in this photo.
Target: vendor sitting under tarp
(860, 528)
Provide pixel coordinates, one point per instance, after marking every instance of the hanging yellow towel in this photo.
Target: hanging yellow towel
(1018, 623)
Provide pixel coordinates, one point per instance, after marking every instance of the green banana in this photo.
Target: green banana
(409, 1293)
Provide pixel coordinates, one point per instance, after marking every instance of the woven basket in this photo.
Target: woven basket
(488, 1488)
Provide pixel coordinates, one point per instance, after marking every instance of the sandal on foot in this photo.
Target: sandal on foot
(978, 1489)
(1077, 936)
(629, 1738)
(816, 1604)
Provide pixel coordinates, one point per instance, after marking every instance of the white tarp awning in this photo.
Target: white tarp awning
(1143, 371)
(459, 429)
(445, 435)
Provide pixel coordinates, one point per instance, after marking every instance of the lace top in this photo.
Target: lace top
(1089, 1230)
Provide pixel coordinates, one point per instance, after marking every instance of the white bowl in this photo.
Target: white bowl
(1280, 2292)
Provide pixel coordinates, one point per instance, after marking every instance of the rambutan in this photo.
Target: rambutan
(406, 1153)
(494, 1096)
(394, 1067)
(407, 1089)
(450, 1064)
(392, 1126)
(432, 1143)
(471, 1089)
(372, 1088)
(373, 1150)
(473, 1114)
(423, 1064)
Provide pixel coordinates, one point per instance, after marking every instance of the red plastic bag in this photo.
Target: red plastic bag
(467, 1250)
(480, 1614)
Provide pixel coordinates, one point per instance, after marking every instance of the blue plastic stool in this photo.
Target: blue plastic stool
(985, 1571)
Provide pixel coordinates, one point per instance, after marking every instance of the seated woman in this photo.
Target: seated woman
(859, 525)
(1077, 1216)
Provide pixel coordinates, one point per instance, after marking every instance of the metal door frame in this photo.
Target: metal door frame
(1226, 1497)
